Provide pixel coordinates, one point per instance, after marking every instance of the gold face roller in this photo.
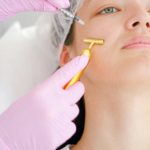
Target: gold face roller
(86, 52)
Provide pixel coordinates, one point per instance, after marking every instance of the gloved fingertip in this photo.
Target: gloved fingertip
(73, 128)
(84, 60)
(48, 8)
(60, 4)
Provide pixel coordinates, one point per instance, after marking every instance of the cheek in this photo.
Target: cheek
(104, 58)
(100, 68)
(97, 30)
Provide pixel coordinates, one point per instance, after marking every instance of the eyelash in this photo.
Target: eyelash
(103, 11)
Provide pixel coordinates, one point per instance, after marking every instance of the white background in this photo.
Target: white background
(25, 60)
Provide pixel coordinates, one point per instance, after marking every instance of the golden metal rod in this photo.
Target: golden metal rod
(87, 52)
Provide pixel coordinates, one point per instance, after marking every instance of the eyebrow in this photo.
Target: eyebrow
(88, 1)
(102, 1)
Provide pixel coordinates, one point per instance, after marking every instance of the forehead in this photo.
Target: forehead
(90, 3)
(99, 1)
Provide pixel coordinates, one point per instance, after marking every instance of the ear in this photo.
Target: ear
(65, 56)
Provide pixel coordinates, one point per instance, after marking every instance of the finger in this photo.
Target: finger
(61, 132)
(70, 113)
(76, 92)
(49, 7)
(69, 129)
(60, 3)
(62, 76)
(41, 5)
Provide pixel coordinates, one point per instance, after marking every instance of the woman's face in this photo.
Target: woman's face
(119, 23)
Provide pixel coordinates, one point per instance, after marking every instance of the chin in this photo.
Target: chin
(138, 73)
(136, 66)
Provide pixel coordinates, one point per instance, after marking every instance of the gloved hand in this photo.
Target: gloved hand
(42, 120)
(11, 7)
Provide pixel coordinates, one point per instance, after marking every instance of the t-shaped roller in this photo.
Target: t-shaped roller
(86, 52)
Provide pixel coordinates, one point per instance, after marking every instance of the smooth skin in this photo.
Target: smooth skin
(117, 79)
(42, 119)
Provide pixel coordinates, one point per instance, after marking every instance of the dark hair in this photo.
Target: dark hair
(69, 39)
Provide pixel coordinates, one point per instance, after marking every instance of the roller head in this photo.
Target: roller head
(94, 41)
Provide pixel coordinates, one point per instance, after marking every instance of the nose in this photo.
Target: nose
(139, 21)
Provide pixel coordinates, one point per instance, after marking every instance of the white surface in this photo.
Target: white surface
(25, 60)
(66, 148)
(25, 19)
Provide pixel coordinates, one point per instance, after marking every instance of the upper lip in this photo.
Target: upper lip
(136, 41)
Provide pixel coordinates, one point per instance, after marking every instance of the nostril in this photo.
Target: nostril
(148, 24)
(136, 23)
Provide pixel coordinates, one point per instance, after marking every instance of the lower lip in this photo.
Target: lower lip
(137, 46)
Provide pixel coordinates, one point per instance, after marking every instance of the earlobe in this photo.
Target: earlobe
(65, 56)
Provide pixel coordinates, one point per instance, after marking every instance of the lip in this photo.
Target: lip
(137, 42)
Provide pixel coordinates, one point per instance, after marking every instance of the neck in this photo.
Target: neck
(116, 118)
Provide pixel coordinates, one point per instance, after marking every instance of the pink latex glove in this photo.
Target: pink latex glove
(11, 7)
(42, 120)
